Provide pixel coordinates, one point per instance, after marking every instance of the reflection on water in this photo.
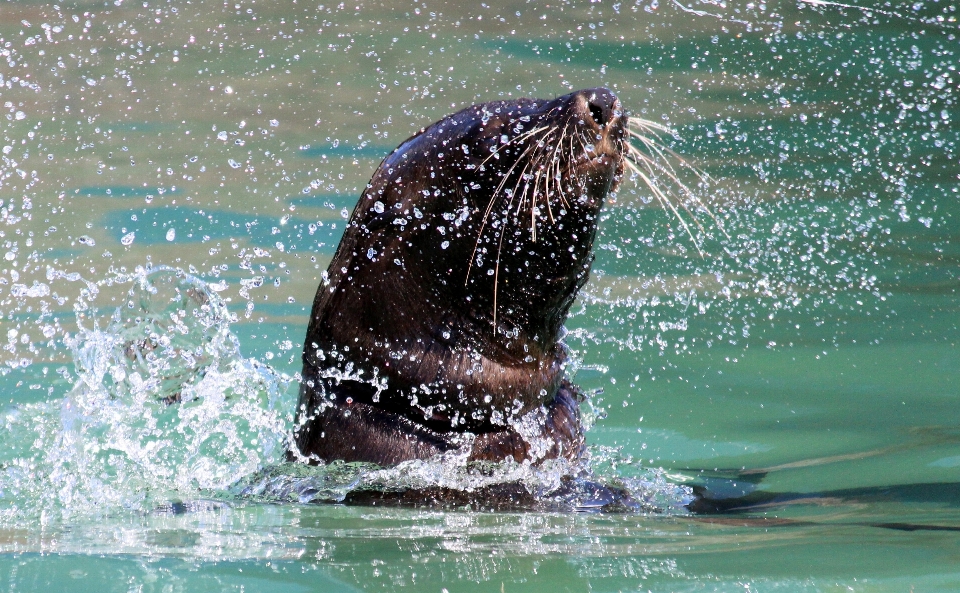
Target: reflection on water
(809, 352)
(343, 548)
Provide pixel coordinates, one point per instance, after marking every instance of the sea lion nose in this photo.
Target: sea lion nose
(603, 105)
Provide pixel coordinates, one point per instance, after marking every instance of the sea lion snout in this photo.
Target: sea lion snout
(599, 111)
(602, 105)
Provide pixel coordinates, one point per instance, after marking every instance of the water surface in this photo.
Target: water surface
(794, 356)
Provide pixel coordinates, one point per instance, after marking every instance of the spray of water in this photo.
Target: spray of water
(164, 407)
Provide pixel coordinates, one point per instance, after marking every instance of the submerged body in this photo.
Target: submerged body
(438, 324)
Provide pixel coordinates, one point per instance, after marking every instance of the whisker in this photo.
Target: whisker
(549, 209)
(659, 160)
(546, 182)
(496, 267)
(636, 123)
(534, 198)
(666, 154)
(563, 196)
(651, 164)
(523, 174)
(651, 167)
(503, 231)
(666, 202)
(554, 174)
(519, 138)
(646, 124)
(486, 213)
(543, 180)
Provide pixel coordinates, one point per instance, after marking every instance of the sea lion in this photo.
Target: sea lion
(438, 324)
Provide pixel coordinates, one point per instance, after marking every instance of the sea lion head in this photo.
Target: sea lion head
(446, 297)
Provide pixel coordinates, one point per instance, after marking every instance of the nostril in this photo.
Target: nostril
(602, 105)
(597, 112)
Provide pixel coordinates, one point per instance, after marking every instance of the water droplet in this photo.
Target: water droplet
(171, 234)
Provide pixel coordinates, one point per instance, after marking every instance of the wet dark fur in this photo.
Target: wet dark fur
(449, 291)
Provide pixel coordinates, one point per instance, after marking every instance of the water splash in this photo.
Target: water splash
(449, 481)
(164, 408)
(116, 440)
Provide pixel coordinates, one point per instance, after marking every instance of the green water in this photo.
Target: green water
(796, 356)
